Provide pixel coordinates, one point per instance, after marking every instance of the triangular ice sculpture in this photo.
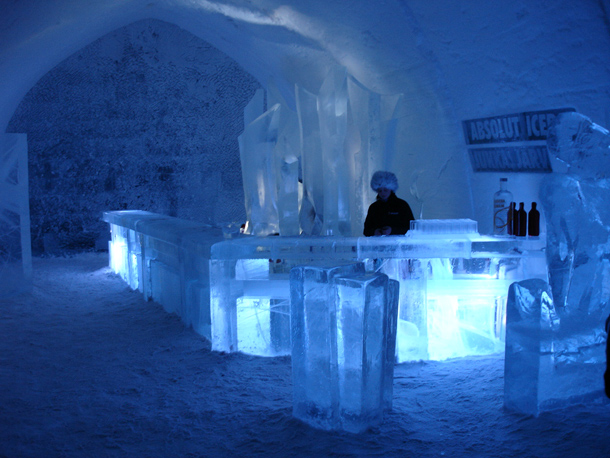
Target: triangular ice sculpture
(343, 324)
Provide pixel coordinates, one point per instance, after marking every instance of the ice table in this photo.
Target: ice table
(453, 286)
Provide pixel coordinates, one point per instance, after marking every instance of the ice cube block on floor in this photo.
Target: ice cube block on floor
(548, 364)
(343, 325)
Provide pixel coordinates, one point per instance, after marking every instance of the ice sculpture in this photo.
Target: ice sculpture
(312, 204)
(342, 327)
(270, 154)
(332, 112)
(256, 146)
(15, 246)
(313, 171)
(578, 257)
(578, 220)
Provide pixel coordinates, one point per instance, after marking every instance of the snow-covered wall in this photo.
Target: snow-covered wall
(146, 118)
(451, 60)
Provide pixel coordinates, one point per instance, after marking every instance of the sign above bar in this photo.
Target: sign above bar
(532, 158)
(525, 132)
(527, 126)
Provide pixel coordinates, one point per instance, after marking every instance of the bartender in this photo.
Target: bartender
(388, 215)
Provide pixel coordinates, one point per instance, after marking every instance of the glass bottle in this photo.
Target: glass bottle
(533, 221)
(510, 226)
(502, 200)
(522, 217)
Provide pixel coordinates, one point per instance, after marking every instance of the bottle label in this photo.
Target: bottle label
(500, 216)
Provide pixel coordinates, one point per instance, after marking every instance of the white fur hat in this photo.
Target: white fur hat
(384, 180)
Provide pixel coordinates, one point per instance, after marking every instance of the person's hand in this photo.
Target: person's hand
(386, 230)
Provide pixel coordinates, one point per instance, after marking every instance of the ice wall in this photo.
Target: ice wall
(146, 117)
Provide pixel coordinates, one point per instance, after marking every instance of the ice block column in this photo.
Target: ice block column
(367, 307)
(223, 310)
(529, 369)
(313, 326)
(343, 336)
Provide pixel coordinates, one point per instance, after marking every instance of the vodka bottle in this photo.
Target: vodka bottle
(522, 216)
(502, 199)
(533, 221)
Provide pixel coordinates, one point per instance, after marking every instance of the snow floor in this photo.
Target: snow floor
(90, 369)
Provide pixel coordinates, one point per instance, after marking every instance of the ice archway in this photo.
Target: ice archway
(451, 60)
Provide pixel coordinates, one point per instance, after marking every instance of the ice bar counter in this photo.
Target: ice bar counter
(452, 295)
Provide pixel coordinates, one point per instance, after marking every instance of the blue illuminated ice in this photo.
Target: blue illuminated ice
(343, 325)
(566, 364)
(306, 169)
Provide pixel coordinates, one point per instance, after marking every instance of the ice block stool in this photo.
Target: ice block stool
(548, 364)
(343, 325)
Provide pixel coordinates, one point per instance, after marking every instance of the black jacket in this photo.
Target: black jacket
(394, 212)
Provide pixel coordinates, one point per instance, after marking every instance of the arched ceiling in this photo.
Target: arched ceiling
(451, 60)
(292, 42)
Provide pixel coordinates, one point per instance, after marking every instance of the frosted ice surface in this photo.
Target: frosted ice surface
(332, 111)
(15, 247)
(256, 146)
(366, 312)
(314, 342)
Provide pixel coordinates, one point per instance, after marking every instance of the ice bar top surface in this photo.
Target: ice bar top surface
(426, 239)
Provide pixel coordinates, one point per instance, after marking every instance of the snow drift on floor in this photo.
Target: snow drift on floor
(89, 369)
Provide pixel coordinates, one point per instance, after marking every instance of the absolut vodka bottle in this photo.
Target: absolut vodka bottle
(502, 200)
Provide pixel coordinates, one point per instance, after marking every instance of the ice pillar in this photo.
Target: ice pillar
(343, 342)
(15, 251)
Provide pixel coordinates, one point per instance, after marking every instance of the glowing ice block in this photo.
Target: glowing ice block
(250, 307)
(343, 345)
(366, 317)
(313, 327)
